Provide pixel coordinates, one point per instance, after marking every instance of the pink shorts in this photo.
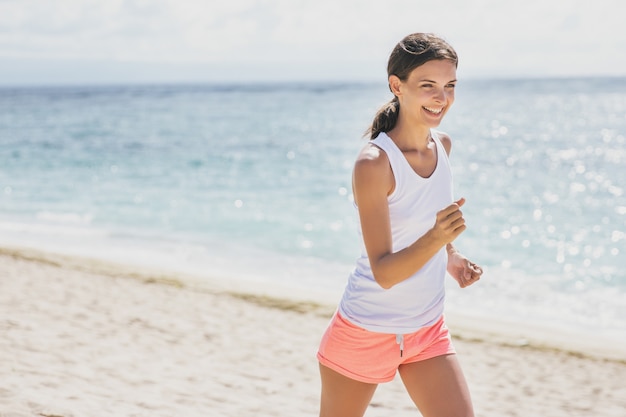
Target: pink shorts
(373, 357)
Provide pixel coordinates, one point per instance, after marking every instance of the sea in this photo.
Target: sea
(251, 184)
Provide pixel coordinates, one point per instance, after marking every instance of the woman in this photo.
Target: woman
(390, 318)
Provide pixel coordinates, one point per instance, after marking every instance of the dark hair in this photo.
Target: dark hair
(411, 52)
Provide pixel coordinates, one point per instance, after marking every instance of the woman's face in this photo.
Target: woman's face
(428, 92)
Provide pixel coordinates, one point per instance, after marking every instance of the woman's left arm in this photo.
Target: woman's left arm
(460, 268)
(464, 271)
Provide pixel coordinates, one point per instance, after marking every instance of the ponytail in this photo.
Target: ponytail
(385, 119)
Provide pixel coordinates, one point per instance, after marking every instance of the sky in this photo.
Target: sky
(188, 41)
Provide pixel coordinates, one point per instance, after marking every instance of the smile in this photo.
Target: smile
(433, 111)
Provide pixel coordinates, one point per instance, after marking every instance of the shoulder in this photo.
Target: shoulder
(446, 141)
(372, 167)
(371, 158)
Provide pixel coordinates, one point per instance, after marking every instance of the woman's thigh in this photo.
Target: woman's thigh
(437, 386)
(343, 396)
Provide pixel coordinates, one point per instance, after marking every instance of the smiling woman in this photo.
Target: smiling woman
(390, 318)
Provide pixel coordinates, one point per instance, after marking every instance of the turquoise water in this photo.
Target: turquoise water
(253, 181)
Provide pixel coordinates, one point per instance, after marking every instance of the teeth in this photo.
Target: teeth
(436, 111)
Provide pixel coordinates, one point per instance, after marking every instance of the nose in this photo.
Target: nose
(444, 95)
(440, 95)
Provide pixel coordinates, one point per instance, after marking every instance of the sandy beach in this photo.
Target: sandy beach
(81, 338)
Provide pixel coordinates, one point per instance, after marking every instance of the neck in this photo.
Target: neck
(410, 137)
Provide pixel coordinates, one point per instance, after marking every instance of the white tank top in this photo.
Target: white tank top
(417, 301)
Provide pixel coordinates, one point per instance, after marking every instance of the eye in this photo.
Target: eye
(451, 86)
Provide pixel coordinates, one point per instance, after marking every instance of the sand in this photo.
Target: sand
(78, 338)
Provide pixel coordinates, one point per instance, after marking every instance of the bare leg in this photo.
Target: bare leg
(437, 387)
(342, 396)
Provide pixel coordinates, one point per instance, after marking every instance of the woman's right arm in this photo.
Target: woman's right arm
(372, 182)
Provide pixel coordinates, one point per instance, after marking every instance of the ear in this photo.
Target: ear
(394, 85)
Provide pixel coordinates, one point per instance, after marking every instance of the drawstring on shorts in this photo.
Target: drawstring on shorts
(400, 341)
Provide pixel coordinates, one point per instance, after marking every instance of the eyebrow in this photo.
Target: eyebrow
(435, 82)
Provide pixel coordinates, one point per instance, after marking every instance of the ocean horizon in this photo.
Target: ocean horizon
(251, 183)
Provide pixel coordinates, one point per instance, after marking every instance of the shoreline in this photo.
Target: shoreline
(468, 327)
(84, 337)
